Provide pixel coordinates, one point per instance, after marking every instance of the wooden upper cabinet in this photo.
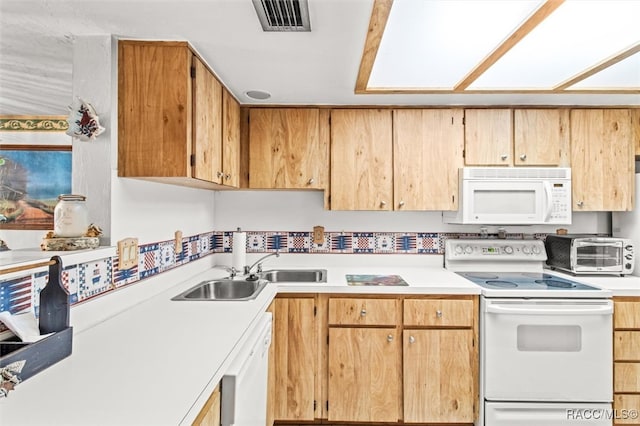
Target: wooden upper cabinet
(635, 124)
(230, 140)
(154, 110)
(540, 136)
(602, 160)
(207, 124)
(361, 159)
(289, 148)
(427, 153)
(488, 137)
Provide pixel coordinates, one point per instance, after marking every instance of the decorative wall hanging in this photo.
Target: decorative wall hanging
(83, 121)
(33, 123)
(31, 178)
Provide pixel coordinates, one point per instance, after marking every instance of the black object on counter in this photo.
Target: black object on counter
(54, 301)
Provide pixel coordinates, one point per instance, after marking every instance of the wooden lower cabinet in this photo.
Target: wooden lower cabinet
(364, 374)
(210, 413)
(626, 357)
(438, 376)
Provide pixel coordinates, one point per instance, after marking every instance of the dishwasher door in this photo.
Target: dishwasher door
(244, 386)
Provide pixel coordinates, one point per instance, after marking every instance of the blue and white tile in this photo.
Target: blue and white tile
(16, 294)
(364, 242)
(95, 278)
(167, 253)
(276, 241)
(124, 277)
(325, 247)
(341, 242)
(406, 243)
(298, 242)
(256, 242)
(39, 282)
(428, 243)
(384, 242)
(69, 277)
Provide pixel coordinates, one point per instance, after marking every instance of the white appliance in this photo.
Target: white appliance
(627, 224)
(244, 386)
(545, 340)
(513, 196)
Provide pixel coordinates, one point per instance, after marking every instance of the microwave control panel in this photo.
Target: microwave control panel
(560, 202)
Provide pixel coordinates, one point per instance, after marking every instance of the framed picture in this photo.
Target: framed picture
(31, 178)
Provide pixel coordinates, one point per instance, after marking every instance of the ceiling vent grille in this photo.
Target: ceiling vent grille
(283, 15)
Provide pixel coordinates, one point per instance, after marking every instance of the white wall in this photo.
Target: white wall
(302, 210)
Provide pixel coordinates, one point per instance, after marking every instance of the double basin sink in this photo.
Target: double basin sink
(249, 288)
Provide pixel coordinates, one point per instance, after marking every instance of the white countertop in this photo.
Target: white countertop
(157, 362)
(629, 285)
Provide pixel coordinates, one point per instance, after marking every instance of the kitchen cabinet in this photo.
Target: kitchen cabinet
(488, 137)
(602, 160)
(293, 383)
(289, 148)
(230, 140)
(361, 159)
(427, 149)
(271, 381)
(364, 360)
(171, 123)
(440, 339)
(635, 124)
(626, 356)
(210, 413)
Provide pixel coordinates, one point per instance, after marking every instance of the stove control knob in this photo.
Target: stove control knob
(468, 250)
(508, 249)
(628, 256)
(536, 249)
(458, 249)
(526, 250)
(628, 266)
(628, 248)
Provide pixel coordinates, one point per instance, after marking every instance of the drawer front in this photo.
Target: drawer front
(347, 311)
(626, 377)
(626, 408)
(438, 313)
(626, 314)
(626, 346)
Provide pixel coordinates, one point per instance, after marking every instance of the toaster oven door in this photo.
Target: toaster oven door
(597, 256)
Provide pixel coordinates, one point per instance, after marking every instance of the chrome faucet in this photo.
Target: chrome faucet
(231, 270)
(247, 269)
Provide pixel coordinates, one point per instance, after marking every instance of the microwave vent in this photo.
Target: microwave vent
(517, 173)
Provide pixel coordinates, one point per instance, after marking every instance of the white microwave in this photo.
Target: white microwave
(513, 196)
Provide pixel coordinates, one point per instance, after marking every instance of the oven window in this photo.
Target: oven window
(598, 255)
(549, 338)
(507, 201)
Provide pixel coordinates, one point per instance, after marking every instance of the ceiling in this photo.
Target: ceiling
(299, 68)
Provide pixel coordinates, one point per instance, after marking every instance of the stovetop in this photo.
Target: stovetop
(524, 281)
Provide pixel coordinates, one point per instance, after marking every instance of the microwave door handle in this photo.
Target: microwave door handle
(599, 310)
(547, 193)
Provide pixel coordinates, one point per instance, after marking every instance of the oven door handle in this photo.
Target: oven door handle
(568, 311)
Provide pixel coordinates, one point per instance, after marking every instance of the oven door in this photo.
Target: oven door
(540, 414)
(597, 256)
(547, 350)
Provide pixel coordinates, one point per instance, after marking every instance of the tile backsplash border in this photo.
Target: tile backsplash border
(87, 281)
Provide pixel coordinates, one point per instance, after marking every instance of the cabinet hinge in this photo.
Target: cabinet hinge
(452, 121)
(192, 160)
(463, 153)
(327, 339)
(315, 311)
(327, 406)
(315, 405)
(464, 120)
(193, 72)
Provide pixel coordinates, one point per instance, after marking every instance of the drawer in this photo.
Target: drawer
(626, 377)
(626, 409)
(626, 314)
(626, 346)
(355, 311)
(438, 312)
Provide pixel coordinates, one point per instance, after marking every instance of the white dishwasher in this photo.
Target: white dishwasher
(244, 386)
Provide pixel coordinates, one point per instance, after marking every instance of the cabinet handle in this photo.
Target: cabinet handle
(363, 312)
(503, 157)
(227, 176)
(523, 157)
(311, 181)
(220, 174)
(439, 314)
(401, 203)
(580, 203)
(383, 203)
(412, 339)
(390, 338)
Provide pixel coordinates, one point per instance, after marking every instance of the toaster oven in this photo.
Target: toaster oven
(588, 254)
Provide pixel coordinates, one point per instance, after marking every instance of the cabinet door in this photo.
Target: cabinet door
(230, 140)
(602, 160)
(438, 376)
(488, 137)
(154, 109)
(539, 135)
(207, 124)
(364, 375)
(361, 159)
(295, 359)
(210, 413)
(288, 148)
(635, 124)
(427, 152)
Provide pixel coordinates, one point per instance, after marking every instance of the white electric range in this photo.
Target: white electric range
(545, 340)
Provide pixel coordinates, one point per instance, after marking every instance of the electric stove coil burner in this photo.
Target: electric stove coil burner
(482, 275)
(500, 284)
(556, 283)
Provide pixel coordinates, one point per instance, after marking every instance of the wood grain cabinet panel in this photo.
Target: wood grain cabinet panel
(539, 136)
(438, 376)
(361, 159)
(626, 314)
(488, 137)
(626, 345)
(288, 148)
(210, 413)
(635, 124)
(360, 311)
(364, 374)
(602, 160)
(230, 140)
(627, 377)
(624, 405)
(427, 153)
(438, 313)
(626, 356)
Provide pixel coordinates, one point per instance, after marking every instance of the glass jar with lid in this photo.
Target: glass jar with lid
(70, 217)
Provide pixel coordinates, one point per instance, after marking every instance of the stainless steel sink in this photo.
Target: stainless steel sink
(295, 275)
(224, 289)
